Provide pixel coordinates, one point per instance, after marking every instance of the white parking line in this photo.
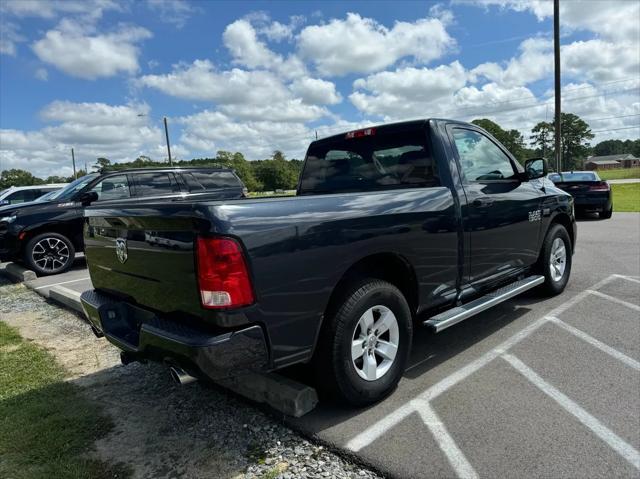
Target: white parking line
(633, 279)
(379, 428)
(615, 300)
(447, 445)
(599, 429)
(614, 353)
(62, 282)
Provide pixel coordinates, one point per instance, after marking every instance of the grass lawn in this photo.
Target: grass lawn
(626, 197)
(47, 427)
(619, 174)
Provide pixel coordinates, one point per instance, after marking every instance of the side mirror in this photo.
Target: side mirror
(535, 168)
(88, 197)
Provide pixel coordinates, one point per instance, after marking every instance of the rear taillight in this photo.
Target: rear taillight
(223, 276)
(601, 186)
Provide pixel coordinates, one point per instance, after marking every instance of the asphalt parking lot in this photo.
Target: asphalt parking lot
(532, 388)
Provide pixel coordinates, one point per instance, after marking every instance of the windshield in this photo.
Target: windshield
(72, 188)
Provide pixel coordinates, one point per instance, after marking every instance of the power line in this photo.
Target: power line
(526, 127)
(616, 129)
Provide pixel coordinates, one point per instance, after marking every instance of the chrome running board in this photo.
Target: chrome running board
(460, 313)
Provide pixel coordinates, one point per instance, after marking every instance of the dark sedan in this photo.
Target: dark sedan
(590, 193)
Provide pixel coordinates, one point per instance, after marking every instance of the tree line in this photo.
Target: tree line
(279, 173)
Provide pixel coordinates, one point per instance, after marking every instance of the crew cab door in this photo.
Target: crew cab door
(501, 216)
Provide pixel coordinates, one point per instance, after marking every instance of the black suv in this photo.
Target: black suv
(47, 234)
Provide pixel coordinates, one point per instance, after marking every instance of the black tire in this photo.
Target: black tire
(337, 372)
(49, 253)
(605, 215)
(552, 284)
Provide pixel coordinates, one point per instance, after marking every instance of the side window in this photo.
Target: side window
(22, 196)
(210, 180)
(112, 188)
(155, 184)
(480, 158)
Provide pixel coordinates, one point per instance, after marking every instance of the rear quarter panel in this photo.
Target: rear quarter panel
(300, 247)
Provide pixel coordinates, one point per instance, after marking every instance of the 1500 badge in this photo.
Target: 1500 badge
(534, 215)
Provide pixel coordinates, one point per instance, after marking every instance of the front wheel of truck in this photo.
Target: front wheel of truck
(555, 260)
(365, 345)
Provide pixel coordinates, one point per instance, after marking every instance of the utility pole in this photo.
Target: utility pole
(166, 134)
(73, 160)
(556, 56)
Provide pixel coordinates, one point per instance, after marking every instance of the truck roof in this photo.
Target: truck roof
(166, 168)
(392, 126)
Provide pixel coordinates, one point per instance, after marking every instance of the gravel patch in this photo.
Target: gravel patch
(161, 429)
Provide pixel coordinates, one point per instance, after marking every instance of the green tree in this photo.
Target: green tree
(277, 173)
(56, 179)
(542, 139)
(617, 147)
(511, 139)
(17, 177)
(574, 141)
(101, 163)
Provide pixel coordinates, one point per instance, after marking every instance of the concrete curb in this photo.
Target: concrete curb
(282, 394)
(19, 273)
(66, 297)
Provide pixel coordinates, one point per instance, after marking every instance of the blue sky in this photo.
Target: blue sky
(99, 75)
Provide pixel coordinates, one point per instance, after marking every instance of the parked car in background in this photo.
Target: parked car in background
(46, 234)
(590, 193)
(23, 194)
(423, 222)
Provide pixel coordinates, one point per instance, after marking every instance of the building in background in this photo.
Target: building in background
(610, 162)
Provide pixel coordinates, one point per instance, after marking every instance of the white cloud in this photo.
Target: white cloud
(249, 95)
(408, 92)
(201, 81)
(70, 48)
(613, 19)
(316, 91)
(174, 12)
(534, 63)
(42, 74)
(95, 130)
(9, 37)
(362, 45)
(241, 39)
(601, 61)
(90, 9)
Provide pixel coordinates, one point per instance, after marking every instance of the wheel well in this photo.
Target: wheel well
(564, 220)
(389, 267)
(62, 229)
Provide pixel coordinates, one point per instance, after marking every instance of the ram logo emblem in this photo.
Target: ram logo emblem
(121, 250)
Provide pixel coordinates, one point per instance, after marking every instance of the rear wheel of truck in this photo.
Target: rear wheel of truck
(365, 345)
(555, 260)
(49, 253)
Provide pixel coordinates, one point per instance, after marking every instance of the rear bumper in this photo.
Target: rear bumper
(593, 204)
(9, 246)
(143, 335)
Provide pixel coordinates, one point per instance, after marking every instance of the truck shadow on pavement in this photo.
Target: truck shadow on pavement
(428, 352)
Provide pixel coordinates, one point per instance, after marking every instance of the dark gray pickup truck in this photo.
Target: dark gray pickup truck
(417, 223)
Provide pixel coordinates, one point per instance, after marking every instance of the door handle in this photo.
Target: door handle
(482, 202)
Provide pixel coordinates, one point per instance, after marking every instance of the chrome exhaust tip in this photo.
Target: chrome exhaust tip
(181, 377)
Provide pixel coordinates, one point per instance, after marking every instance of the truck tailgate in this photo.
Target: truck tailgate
(145, 254)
